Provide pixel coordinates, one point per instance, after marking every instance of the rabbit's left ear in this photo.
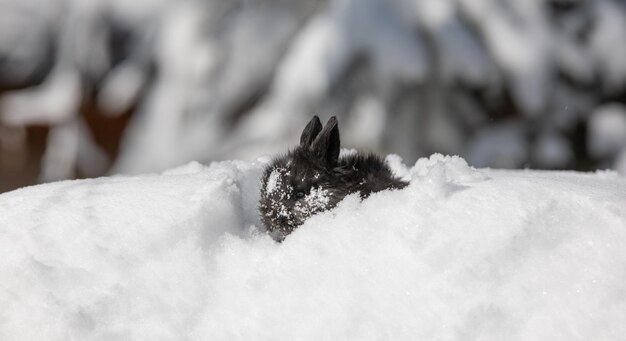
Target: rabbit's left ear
(310, 132)
(326, 144)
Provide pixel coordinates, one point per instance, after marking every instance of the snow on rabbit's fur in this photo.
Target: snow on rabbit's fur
(459, 254)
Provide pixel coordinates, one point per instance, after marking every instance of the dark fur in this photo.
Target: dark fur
(315, 170)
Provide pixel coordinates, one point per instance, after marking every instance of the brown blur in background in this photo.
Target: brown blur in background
(93, 88)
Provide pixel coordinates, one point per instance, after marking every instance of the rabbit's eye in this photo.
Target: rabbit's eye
(300, 194)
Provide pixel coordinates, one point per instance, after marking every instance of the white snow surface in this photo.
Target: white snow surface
(460, 254)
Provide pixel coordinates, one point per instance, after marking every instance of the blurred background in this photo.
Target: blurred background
(101, 87)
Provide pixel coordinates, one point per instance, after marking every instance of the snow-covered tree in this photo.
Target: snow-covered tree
(505, 83)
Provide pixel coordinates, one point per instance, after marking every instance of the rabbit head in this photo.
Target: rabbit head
(303, 182)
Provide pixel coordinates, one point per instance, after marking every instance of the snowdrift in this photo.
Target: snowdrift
(461, 254)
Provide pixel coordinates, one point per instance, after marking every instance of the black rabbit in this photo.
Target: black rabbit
(313, 178)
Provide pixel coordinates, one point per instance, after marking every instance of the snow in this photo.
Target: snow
(552, 150)
(317, 200)
(459, 254)
(272, 181)
(607, 130)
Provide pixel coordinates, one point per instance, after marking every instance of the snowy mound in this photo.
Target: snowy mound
(460, 254)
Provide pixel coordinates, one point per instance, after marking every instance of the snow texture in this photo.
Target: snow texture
(272, 181)
(460, 254)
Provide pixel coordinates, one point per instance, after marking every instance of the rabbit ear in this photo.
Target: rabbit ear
(310, 132)
(326, 144)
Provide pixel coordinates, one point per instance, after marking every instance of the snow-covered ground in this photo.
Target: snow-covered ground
(461, 254)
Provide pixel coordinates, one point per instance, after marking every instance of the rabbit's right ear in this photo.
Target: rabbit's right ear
(326, 144)
(310, 132)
